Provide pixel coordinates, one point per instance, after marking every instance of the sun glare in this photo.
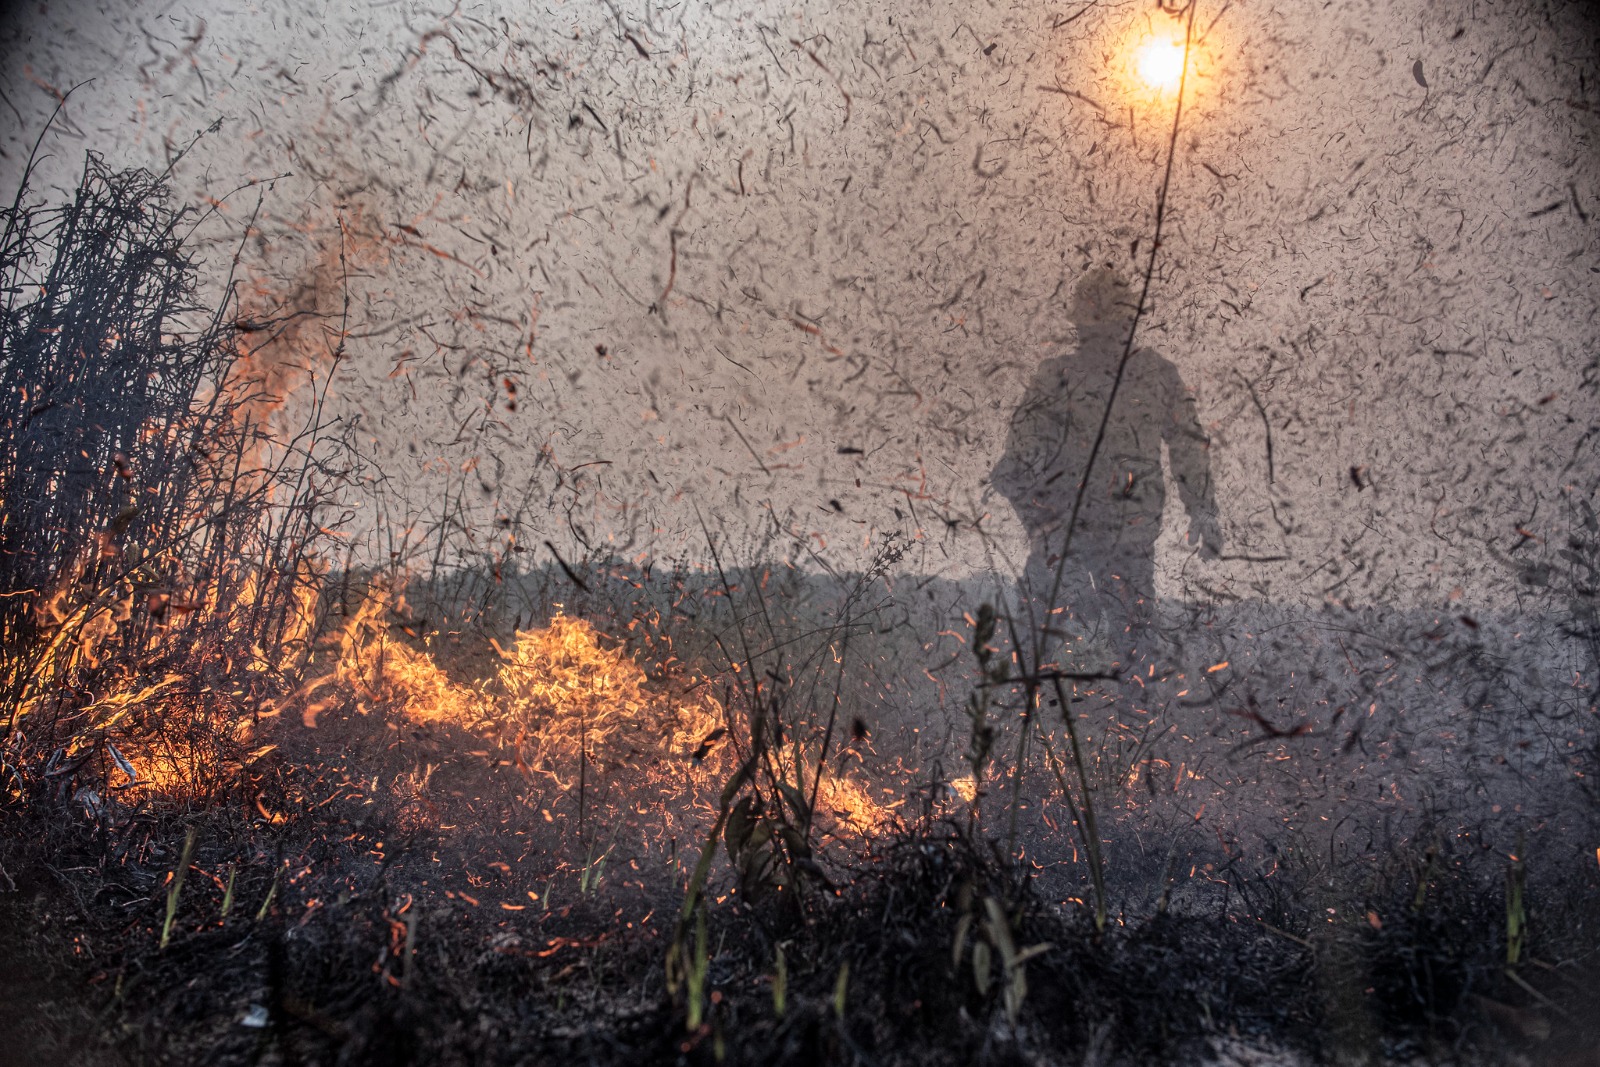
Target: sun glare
(1160, 63)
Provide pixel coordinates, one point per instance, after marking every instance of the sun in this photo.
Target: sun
(1159, 63)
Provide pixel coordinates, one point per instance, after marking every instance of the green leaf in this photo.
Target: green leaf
(1016, 993)
(1031, 951)
(795, 842)
(741, 823)
(698, 966)
(958, 948)
(982, 966)
(797, 802)
(999, 931)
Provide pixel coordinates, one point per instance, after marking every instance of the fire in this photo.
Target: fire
(164, 590)
(851, 805)
(584, 699)
(965, 787)
(164, 593)
(561, 694)
(385, 672)
(164, 717)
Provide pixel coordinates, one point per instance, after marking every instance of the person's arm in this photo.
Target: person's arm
(1189, 451)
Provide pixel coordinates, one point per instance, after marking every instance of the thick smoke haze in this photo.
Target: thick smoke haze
(610, 264)
(880, 482)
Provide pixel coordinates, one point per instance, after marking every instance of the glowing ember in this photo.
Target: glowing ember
(965, 787)
(851, 805)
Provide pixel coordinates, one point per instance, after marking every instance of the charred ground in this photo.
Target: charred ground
(259, 809)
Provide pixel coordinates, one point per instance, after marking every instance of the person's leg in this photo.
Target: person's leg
(1077, 626)
(1131, 581)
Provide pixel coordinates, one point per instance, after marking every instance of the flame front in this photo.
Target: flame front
(562, 685)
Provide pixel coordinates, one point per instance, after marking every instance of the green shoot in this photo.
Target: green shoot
(780, 985)
(696, 977)
(1516, 909)
(176, 887)
(272, 893)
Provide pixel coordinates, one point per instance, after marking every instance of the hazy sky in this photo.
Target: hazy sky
(805, 257)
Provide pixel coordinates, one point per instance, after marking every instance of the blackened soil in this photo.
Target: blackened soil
(449, 923)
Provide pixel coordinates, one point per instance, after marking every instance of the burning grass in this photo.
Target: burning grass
(339, 936)
(562, 685)
(158, 537)
(480, 859)
(265, 812)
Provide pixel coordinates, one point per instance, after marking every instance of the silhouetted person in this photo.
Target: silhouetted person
(1107, 592)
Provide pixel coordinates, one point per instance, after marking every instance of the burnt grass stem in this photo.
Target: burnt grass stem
(398, 923)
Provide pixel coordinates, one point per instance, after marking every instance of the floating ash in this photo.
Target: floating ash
(928, 534)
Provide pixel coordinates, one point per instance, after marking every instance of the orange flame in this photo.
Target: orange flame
(582, 698)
